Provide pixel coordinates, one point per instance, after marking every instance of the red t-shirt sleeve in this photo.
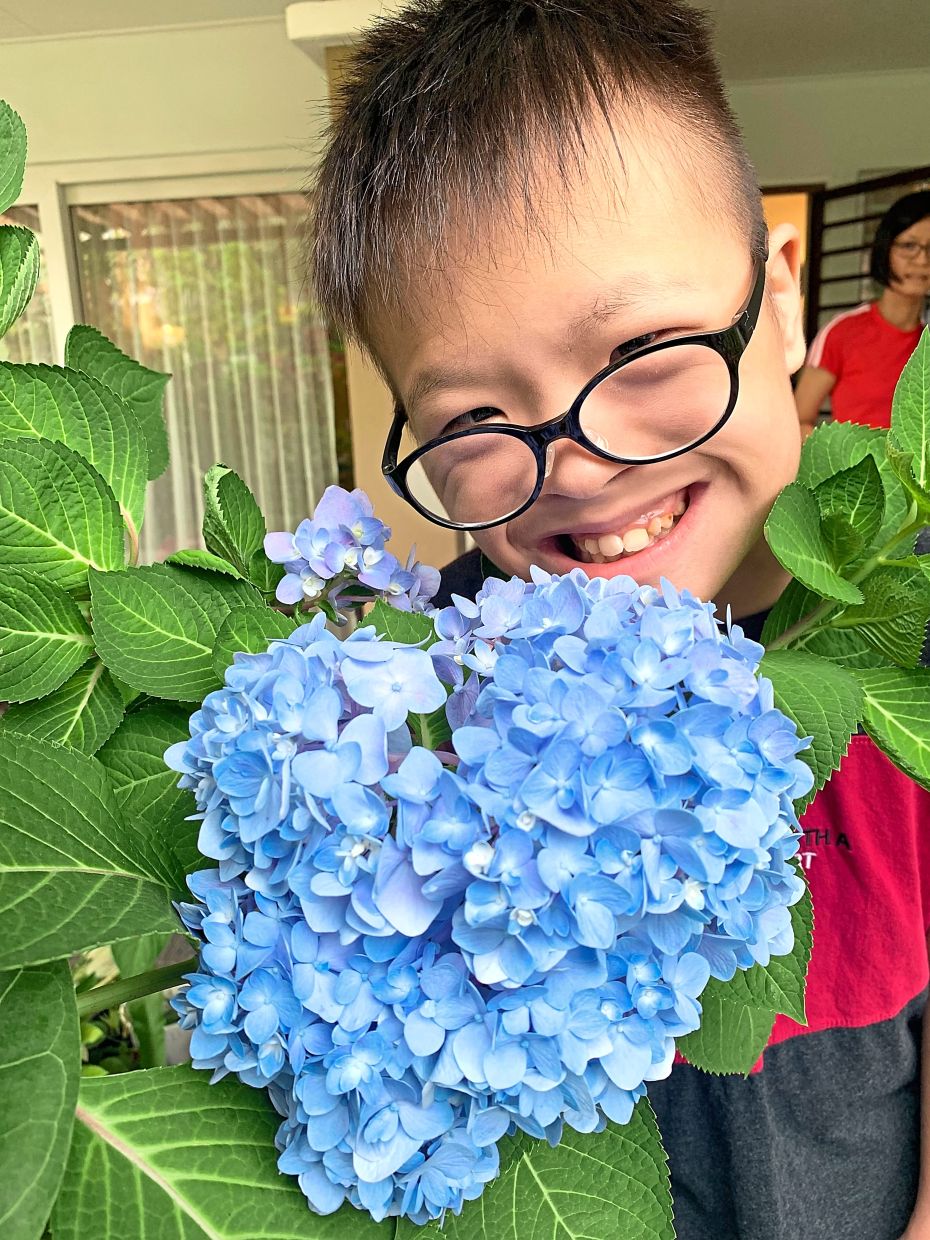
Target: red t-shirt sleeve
(826, 351)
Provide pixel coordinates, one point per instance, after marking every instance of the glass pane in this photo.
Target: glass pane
(211, 290)
(30, 339)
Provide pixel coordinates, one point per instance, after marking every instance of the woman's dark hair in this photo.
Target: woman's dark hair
(451, 106)
(906, 212)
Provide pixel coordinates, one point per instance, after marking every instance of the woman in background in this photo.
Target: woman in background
(858, 357)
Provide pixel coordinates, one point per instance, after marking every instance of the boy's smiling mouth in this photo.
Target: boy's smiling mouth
(625, 536)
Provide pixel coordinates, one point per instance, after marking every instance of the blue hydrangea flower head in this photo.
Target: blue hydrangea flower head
(418, 952)
(339, 554)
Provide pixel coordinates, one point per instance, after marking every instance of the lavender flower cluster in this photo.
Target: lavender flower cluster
(342, 548)
(418, 952)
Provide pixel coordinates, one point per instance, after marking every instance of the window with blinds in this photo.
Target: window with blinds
(210, 289)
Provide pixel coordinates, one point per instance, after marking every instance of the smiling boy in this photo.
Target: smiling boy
(539, 218)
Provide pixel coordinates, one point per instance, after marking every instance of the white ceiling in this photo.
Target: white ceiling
(756, 38)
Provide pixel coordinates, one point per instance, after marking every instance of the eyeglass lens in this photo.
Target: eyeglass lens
(658, 404)
(912, 248)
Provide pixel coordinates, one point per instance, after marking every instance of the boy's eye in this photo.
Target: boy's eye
(630, 346)
(474, 417)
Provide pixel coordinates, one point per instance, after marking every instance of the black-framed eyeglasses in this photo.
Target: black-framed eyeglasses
(655, 404)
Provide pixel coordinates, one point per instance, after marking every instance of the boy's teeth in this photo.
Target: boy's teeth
(608, 547)
(636, 539)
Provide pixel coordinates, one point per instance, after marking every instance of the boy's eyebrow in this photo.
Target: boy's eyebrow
(636, 293)
(433, 379)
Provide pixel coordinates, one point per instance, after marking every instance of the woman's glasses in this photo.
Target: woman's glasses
(911, 249)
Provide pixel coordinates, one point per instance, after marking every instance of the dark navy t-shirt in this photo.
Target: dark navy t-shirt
(821, 1141)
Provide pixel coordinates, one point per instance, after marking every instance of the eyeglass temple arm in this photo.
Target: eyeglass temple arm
(747, 320)
(392, 443)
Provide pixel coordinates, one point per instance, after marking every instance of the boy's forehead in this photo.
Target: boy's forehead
(635, 226)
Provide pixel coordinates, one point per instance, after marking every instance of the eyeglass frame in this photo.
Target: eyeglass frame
(730, 343)
(913, 247)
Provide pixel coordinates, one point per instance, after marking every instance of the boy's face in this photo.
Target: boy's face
(654, 255)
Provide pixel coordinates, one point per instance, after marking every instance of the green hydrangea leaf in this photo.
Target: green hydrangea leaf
(233, 525)
(896, 610)
(146, 1016)
(12, 155)
(732, 1035)
(156, 626)
(609, 1186)
(910, 414)
(795, 603)
(248, 630)
(843, 541)
(896, 715)
(794, 534)
(430, 730)
(833, 448)
(901, 464)
(846, 647)
(40, 1061)
(44, 638)
(83, 713)
(857, 495)
(19, 272)
(164, 1148)
(58, 517)
(409, 627)
(780, 985)
(194, 557)
(263, 574)
(147, 790)
(823, 700)
(837, 446)
(142, 389)
(74, 873)
(897, 504)
(49, 402)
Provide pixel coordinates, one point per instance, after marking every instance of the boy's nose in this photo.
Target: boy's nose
(575, 473)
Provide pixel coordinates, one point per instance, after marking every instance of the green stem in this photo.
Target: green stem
(829, 605)
(102, 998)
(133, 534)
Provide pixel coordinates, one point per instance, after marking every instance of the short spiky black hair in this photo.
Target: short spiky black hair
(899, 217)
(451, 106)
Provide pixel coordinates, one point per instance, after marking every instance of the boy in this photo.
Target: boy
(520, 194)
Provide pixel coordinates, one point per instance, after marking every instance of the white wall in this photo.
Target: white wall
(242, 87)
(832, 129)
(210, 89)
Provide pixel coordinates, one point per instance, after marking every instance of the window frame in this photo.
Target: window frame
(55, 188)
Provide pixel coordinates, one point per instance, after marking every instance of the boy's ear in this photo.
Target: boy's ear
(783, 281)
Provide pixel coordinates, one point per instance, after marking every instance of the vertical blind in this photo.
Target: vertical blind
(209, 289)
(30, 339)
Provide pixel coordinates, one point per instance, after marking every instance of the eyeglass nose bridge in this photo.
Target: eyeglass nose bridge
(566, 426)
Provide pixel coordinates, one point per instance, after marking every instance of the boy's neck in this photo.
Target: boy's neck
(755, 586)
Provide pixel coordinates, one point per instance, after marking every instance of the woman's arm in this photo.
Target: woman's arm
(813, 387)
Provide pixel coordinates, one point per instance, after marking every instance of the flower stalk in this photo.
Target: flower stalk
(125, 989)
